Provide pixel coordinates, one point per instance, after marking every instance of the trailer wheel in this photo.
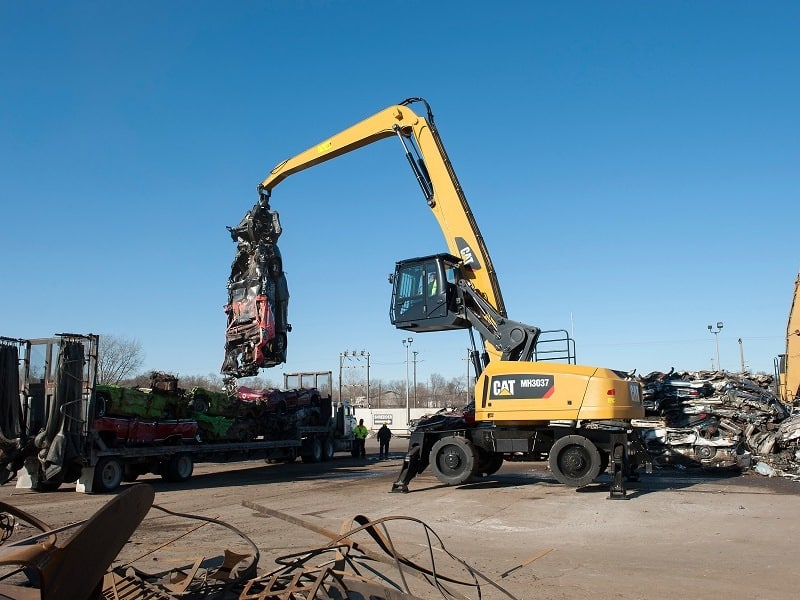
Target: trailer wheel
(488, 463)
(314, 453)
(575, 460)
(130, 473)
(328, 449)
(179, 468)
(453, 460)
(107, 474)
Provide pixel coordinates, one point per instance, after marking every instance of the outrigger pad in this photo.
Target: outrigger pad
(258, 296)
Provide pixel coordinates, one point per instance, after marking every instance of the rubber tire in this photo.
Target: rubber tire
(107, 474)
(199, 405)
(130, 473)
(315, 454)
(328, 449)
(488, 463)
(453, 460)
(179, 468)
(46, 486)
(102, 405)
(605, 460)
(575, 461)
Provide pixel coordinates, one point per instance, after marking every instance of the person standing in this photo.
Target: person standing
(384, 435)
(360, 432)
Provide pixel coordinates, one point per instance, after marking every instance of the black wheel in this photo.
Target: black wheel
(179, 468)
(327, 449)
(107, 474)
(102, 405)
(453, 460)
(705, 452)
(575, 461)
(605, 460)
(46, 486)
(130, 473)
(314, 453)
(199, 405)
(488, 463)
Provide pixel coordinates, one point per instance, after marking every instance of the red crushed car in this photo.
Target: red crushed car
(258, 296)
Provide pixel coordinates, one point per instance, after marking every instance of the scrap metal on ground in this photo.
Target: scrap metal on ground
(68, 562)
(377, 559)
(717, 419)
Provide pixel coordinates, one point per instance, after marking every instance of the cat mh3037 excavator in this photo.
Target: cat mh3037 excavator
(526, 404)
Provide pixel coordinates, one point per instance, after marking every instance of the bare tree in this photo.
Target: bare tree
(437, 385)
(118, 358)
(211, 382)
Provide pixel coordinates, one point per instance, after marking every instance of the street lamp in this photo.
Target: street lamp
(716, 341)
(407, 346)
(415, 378)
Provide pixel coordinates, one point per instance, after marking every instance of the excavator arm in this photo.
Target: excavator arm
(480, 302)
(789, 373)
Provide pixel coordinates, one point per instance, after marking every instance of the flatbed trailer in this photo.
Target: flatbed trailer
(55, 439)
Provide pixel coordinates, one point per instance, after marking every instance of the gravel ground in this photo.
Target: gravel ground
(678, 534)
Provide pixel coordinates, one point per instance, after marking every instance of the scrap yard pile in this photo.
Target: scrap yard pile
(364, 559)
(716, 419)
(166, 412)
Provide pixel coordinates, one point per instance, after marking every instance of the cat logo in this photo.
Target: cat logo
(533, 386)
(503, 387)
(468, 257)
(635, 393)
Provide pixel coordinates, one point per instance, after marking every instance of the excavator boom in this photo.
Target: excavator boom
(443, 193)
(789, 379)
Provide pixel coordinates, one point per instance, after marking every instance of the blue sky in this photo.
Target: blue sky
(633, 167)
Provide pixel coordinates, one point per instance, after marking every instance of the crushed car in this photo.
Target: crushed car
(719, 420)
(258, 296)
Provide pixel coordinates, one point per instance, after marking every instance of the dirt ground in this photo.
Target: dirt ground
(679, 534)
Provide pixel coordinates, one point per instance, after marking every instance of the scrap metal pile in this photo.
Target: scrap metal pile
(130, 416)
(716, 419)
(365, 559)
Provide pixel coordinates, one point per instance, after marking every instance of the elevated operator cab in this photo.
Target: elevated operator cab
(425, 294)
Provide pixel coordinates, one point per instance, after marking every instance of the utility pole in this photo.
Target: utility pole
(354, 359)
(407, 345)
(741, 355)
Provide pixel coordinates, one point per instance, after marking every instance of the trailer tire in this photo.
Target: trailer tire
(453, 460)
(107, 474)
(328, 449)
(575, 460)
(179, 468)
(314, 452)
(130, 473)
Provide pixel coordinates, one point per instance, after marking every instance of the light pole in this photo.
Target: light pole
(716, 340)
(407, 346)
(415, 377)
